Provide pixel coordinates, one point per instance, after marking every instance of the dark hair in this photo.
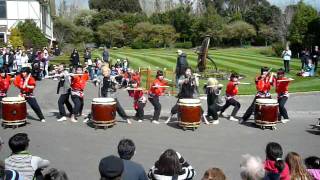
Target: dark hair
(126, 149)
(280, 71)
(55, 174)
(25, 69)
(159, 73)
(234, 75)
(264, 69)
(168, 163)
(274, 153)
(312, 162)
(19, 142)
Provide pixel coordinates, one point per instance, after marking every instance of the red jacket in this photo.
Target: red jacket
(158, 91)
(232, 89)
(19, 83)
(282, 87)
(263, 85)
(4, 84)
(137, 95)
(269, 166)
(136, 77)
(79, 82)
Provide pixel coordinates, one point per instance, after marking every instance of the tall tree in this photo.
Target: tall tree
(239, 30)
(112, 33)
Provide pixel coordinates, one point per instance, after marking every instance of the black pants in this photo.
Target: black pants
(282, 110)
(78, 105)
(315, 62)
(157, 107)
(250, 110)
(232, 102)
(140, 110)
(213, 110)
(64, 100)
(302, 64)
(286, 65)
(35, 106)
(120, 110)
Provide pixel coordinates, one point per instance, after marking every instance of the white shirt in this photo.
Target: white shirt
(286, 55)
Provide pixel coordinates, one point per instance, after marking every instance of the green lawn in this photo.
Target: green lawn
(244, 61)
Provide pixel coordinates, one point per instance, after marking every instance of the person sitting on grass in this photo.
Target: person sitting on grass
(297, 170)
(22, 161)
(214, 174)
(308, 70)
(313, 166)
(171, 165)
(251, 168)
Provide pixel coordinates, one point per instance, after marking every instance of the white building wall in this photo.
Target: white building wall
(21, 10)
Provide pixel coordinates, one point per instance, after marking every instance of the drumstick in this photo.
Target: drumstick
(285, 80)
(26, 81)
(160, 86)
(167, 79)
(132, 89)
(245, 83)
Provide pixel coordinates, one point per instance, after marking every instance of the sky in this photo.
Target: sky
(280, 3)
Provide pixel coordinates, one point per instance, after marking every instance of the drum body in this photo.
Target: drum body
(266, 112)
(103, 111)
(14, 111)
(189, 113)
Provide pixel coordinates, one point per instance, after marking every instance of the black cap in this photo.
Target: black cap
(111, 167)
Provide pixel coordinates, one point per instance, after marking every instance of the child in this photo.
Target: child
(231, 93)
(139, 100)
(213, 91)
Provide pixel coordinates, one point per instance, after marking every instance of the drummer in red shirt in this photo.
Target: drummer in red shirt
(26, 83)
(78, 83)
(5, 81)
(139, 99)
(282, 89)
(157, 90)
(263, 85)
(231, 93)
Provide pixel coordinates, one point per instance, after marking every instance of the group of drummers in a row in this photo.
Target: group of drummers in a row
(73, 84)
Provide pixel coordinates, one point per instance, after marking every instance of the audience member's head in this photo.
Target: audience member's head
(168, 163)
(126, 149)
(312, 162)
(214, 174)
(251, 168)
(54, 174)
(111, 168)
(297, 170)
(274, 153)
(19, 142)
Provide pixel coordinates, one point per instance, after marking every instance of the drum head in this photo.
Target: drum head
(103, 100)
(266, 101)
(189, 101)
(13, 99)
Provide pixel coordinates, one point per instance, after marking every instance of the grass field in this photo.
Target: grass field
(244, 61)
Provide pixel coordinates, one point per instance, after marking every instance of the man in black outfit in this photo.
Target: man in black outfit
(132, 170)
(315, 58)
(182, 65)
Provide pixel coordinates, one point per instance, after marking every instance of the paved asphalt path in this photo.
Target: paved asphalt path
(77, 148)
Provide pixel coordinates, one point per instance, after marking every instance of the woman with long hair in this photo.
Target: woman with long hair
(171, 165)
(297, 170)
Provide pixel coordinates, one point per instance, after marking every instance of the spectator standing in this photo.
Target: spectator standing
(315, 57)
(132, 170)
(57, 51)
(105, 55)
(75, 59)
(286, 55)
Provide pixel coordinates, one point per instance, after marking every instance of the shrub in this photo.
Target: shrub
(183, 45)
(278, 48)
